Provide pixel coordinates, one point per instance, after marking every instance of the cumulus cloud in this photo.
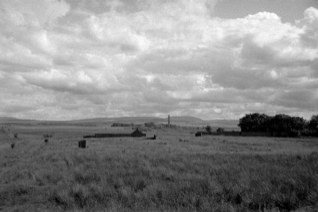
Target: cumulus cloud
(63, 59)
(33, 12)
(310, 26)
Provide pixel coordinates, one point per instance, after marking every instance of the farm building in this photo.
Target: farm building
(111, 135)
(136, 133)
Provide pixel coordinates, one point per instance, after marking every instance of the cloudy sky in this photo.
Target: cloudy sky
(212, 59)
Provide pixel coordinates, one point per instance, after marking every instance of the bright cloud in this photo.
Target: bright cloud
(74, 59)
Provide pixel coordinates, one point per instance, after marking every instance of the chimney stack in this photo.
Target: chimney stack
(168, 120)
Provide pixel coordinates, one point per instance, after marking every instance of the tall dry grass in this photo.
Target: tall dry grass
(139, 175)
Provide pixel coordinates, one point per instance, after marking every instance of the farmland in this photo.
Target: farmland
(175, 172)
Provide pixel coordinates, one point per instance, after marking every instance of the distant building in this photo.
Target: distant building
(136, 133)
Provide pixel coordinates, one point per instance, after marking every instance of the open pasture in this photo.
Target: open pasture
(175, 172)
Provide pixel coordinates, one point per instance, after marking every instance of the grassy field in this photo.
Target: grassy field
(176, 172)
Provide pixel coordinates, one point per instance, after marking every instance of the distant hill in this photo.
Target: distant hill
(226, 124)
(10, 120)
(141, 120)
(188, 119)
(125, 120)
(6, 118)
(174, 120)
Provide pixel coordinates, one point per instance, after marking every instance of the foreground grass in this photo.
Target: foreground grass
(152, 177)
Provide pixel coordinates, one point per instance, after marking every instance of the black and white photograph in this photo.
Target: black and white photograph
(159, 105)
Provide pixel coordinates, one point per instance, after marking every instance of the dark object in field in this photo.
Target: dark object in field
(136, 133)
(89, 136)
(199, 134)
(12, 145)
(154, 137)
(82, 144)
(46, 140)
(48, 135)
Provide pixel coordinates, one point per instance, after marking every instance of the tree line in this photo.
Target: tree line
(279, 124)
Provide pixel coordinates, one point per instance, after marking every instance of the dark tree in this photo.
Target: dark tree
(208, 129)
(298, 123)
(313, 123)
(254, 122)
(220, 130)
(280, 123)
